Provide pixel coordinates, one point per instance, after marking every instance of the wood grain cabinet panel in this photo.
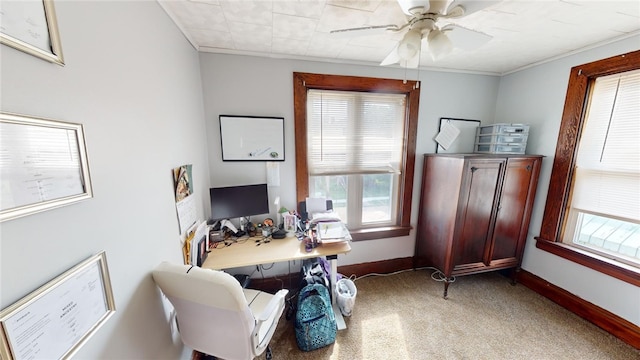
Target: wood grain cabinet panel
(474, 212)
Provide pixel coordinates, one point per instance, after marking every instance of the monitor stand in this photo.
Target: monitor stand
(227, 224)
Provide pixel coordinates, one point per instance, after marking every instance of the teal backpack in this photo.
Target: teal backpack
(315, 322)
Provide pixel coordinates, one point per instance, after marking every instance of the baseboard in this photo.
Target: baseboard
(611, 323)
(379, 267)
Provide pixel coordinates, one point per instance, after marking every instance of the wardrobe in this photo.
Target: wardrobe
(474, 212)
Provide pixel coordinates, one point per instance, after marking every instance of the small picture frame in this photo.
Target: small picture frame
(252, 138)
(203, 252)
(31, 27)
(55, 320)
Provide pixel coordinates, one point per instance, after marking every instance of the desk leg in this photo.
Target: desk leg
(333, 259)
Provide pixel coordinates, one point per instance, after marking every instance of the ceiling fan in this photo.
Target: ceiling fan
(424, 24)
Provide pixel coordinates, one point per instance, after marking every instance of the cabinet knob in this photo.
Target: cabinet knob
(528, 167)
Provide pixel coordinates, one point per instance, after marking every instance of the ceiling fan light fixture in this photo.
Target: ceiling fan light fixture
(409, 46)
(456, 12)
(439, 44)
(411, 7)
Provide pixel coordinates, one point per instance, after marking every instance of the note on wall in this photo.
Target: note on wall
(447, 135)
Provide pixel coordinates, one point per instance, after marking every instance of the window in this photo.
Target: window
(355, 144)
(592, 214)
(354, 153)
(604, 212)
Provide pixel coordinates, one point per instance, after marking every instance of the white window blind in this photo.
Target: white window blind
(354, 132)
(607, 178)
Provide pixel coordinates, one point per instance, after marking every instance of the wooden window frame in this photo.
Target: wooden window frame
(305, 81)
(556, 208)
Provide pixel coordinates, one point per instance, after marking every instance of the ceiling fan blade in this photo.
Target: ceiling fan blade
(464, 38)
(392, 58)
(364, 30)
(471, 6)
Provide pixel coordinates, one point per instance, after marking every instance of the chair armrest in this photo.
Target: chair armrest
(260, 342)
(273, 304)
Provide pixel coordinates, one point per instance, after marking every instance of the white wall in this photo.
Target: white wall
(241, 85)
(536, 96)
(133, 81)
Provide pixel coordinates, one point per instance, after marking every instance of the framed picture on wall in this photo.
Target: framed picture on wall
(31, 26)
(44, 165)
(55, 320)
(252, 138)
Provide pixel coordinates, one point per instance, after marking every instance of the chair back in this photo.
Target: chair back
(212, 312)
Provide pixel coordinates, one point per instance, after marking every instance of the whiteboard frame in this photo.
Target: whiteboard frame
(252, 138)
(467, 130)
(30, 208)
(55, 54)
(44, 293)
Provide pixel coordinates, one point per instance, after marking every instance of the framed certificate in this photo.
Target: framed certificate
(54, 321)
(31, 26)
(44, 165)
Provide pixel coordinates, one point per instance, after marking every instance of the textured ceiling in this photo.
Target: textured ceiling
(524, 32)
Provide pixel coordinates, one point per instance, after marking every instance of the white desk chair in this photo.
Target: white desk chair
(216, 316)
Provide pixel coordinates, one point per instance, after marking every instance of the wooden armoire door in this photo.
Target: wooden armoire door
(480, 188)
(512, 218)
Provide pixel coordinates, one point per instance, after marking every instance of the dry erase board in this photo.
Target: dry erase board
(465, 141)
(252, 138)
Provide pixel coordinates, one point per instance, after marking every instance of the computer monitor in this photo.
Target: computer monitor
(238, 201)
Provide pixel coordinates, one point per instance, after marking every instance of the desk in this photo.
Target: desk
(278, 250)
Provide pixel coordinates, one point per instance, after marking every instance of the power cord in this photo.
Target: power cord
(436, 275)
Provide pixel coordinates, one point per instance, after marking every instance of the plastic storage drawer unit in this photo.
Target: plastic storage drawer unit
(500, 148)
(503, 129)
(502, 139)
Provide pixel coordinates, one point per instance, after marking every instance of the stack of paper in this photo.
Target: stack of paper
(332, 231)
(328, 216)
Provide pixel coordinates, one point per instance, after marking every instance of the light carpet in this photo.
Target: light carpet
(404, 316)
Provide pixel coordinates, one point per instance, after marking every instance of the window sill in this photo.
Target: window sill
(618, 270)
(379, 233)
